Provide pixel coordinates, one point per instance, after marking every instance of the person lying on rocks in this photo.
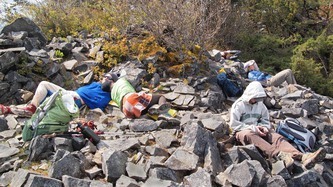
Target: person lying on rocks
(90, 95)
(254, 74)
(134, 104)
(249, 121)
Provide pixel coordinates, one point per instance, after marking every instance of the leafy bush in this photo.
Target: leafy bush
(312, 63)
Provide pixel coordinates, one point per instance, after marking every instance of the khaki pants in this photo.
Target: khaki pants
(270, 145)
(285, 75)
(44, 88)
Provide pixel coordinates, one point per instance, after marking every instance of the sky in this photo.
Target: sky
(6, 3)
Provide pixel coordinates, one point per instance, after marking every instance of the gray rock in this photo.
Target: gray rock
(310, 105)
(182, 160)
(136, 171)
(261, 175)
(7, 134)
(194, 139)
(38, 53)
(69, 65)
(8, 61)
(212, 160)
(232, 173)
(171, 96)
(63, 143)
(67, 165)
(254, 154)
(93, 172)
(156, 161)
(215, 55)
(69, 181)
(6, 178)
(293, 112)
(11, 122)
(212, 99)
(8, 165)
(276, 181)
(184, 89)
(38, 148)
(125, 181)
(216, 126)
(156, 151)
(143, 125)
(21, 177)
(52, 70)
(113, 164)
(179, 101)
(234, 155)
(121, 144)
(294, 96)
(160, 183)
(306, 178)
(200, 177)
(167, 174)
(25, 24)
(165, 137)
(94, 50)
(7, 152)
(37, 180)
(3, 124)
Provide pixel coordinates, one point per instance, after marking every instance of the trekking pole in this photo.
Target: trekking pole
(43, 110)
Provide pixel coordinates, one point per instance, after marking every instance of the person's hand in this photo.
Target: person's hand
(261, 131)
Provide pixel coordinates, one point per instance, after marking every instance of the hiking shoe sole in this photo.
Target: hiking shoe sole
(314, 158)
(159, 109)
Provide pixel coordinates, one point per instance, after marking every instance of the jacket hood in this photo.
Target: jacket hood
(253, 90)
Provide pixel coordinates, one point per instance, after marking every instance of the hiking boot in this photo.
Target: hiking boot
(159, 109)
(168, 118)
(30, 109)
(287, 158)
(4, 110)
(310, 159)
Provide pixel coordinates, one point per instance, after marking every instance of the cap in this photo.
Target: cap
(111, 76)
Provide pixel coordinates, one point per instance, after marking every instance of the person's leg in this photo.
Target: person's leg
(248, 137)
(290, 78)
(279, 143)
(157, 100)
(279, 78)
(44, 88)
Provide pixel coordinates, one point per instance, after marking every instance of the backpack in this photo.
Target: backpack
(229, 88)
(293, 130)
(53, 115)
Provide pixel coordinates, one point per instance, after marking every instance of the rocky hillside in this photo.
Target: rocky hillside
(193, 150)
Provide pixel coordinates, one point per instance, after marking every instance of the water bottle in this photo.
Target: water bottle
(88, 133)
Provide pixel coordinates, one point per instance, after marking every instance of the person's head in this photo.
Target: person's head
(254, 93)
(256, 100)
(108, 80)
(250, 66)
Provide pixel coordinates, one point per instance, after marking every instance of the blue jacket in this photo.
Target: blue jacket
(256, 75)
(93, 95)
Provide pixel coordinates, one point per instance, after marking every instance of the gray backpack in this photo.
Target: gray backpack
(293, 130)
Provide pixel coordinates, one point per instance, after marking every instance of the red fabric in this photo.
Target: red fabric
(135, 103)
(5, 109)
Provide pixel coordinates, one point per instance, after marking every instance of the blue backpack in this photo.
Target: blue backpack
(229, 88)
(293, 130)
